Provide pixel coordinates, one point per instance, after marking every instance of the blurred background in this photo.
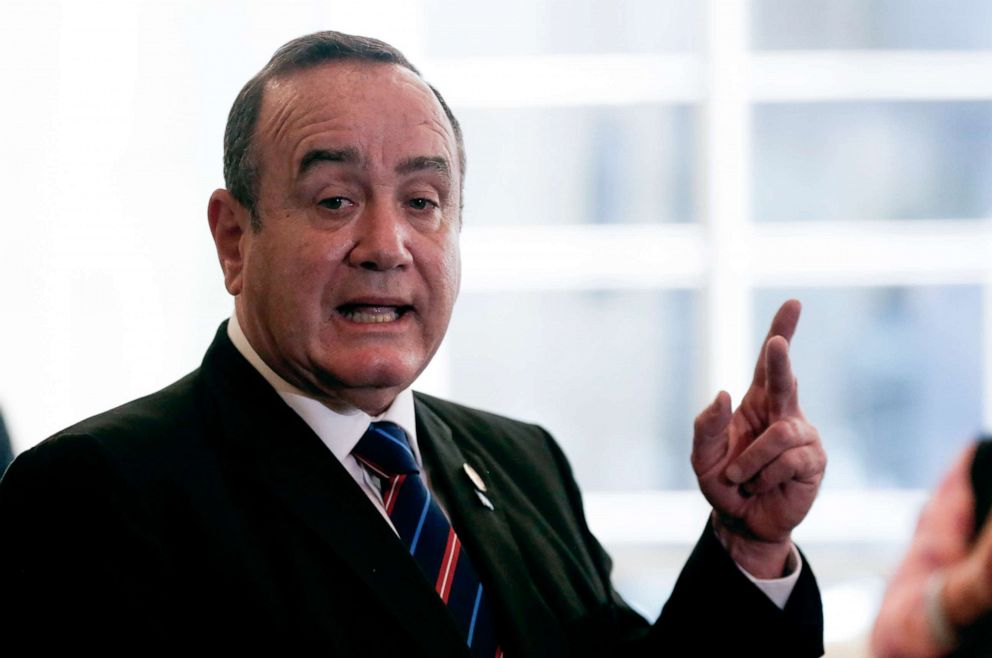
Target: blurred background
(647, 181)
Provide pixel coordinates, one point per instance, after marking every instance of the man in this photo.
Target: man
(240, 507)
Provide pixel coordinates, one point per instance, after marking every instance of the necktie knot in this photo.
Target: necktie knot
(385, 449)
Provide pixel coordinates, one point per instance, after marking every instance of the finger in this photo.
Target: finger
(803, 464)
(780, 436)
(709, 441)
(785, 320)
(780, 382)
(784, 325)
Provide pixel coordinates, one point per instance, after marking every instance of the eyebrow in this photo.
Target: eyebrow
(348, 155)
(423, 162)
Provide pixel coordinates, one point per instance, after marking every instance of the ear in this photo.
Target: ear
(229, 224)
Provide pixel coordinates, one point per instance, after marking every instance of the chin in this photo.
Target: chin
(373, 371)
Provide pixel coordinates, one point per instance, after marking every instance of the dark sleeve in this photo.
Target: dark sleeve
(714, 605)
(72, 539)
(714, 609)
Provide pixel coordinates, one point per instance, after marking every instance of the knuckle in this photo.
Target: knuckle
(820, 463)
(765, 478)
(782, 433)
(797, 461)
(810, 462)
(769, 478)
(797, 431)
(698, 424)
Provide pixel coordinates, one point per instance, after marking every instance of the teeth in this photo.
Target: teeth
(374, 315)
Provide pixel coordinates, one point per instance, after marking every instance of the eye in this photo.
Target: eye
(335, 203)
(421, 203)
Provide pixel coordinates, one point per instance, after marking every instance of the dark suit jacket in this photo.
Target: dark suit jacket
(209, 515)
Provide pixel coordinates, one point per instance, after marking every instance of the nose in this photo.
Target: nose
(380, 239)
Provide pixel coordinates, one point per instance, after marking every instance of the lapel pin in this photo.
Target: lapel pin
(473, 475)
(485, 501)
(480, 486)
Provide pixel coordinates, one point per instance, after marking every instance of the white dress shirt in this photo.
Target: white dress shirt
(340, 432)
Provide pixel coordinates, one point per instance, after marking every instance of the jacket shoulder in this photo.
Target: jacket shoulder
(138, 435)
(159, 410)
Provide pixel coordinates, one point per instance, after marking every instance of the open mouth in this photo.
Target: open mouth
(372, 314)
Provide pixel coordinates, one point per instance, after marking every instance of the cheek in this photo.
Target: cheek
(454, 270)
(288, 272)
(303, 269)
(448, 275)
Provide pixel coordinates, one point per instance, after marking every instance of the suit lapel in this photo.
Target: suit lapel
(526, 627)
(297, 468)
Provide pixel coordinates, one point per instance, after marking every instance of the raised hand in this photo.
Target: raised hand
(760, 467)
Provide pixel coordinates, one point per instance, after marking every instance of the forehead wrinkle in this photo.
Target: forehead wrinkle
(277, 119)
(437, 121)
(443, 130)
(293, 115)
(306, 151)
(285, 111)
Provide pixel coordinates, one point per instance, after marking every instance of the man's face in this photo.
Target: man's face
(347, 289)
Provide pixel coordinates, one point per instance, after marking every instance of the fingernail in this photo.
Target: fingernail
(733, 473)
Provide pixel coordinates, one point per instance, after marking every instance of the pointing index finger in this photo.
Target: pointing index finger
(781, 384)
(784, 325)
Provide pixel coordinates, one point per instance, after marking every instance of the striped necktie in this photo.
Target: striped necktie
(422, 525)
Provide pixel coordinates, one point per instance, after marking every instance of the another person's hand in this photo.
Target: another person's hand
(967, 591)
(944, 583)
(760, 467)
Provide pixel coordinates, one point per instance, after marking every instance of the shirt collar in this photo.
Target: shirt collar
(340, 432)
